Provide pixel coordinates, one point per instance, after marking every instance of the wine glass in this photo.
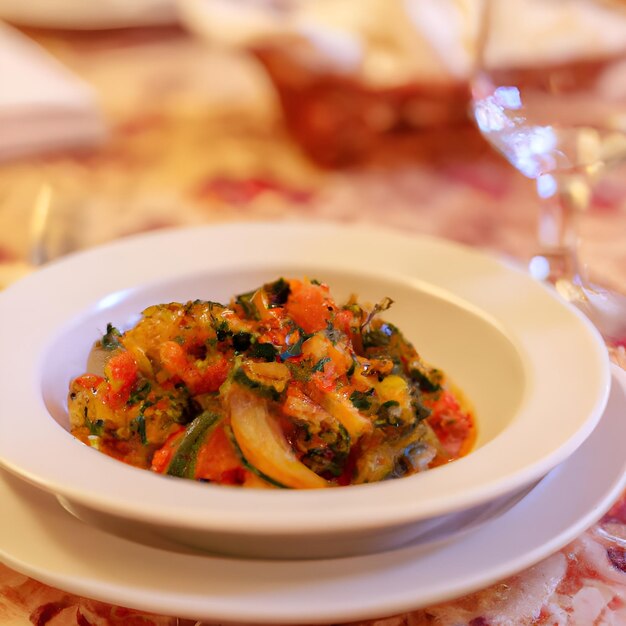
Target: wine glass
(549, 93)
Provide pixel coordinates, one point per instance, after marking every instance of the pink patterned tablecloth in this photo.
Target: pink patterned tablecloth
(196, 137)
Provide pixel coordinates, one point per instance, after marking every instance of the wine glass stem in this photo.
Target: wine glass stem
(558, 228)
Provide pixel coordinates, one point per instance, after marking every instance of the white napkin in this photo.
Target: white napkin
(390, 42)
(43, 106)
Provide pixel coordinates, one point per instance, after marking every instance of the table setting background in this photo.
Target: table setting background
(177, 131)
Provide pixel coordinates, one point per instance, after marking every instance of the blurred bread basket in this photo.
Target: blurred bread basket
(351, 75)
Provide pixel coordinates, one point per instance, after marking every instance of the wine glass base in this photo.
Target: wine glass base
(554, 265)
(605, 308)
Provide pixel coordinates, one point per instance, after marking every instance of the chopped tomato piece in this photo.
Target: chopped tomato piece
(198, 376)
(89, 381)
(343, 319)
(309, 306)
(174, 357)
(209, 379)
(163, 455)
(234, 476)
(454, 427)
(121, 373)
(217, 459)
(326, 379)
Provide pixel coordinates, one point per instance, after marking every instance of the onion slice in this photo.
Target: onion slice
(263, 444)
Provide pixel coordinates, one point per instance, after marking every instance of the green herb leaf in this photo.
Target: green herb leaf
(333, 333)
(96, 427)
(352, 367)
(426, 381)
(295, 349)
(389, 414)
(140, 393)
(361, 399)
(420, 411)
(277, 292)
(139, 426)
(379, 337)
(241, 341)
(265, 351)
(244, 300)
(300, 370)
(222, 331)
(319, 366)
(111, 339)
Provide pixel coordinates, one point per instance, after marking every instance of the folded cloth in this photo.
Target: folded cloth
(43, 107)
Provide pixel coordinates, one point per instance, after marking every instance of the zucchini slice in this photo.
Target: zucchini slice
(265, 379)
(263, 444)
(183, 463)
(262, 478)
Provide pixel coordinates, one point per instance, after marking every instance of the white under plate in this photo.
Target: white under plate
(533, 368)
(39, 538)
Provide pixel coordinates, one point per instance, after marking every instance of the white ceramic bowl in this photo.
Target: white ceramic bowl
(533, 367)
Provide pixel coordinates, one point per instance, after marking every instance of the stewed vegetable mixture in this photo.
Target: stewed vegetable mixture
(281, 388)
